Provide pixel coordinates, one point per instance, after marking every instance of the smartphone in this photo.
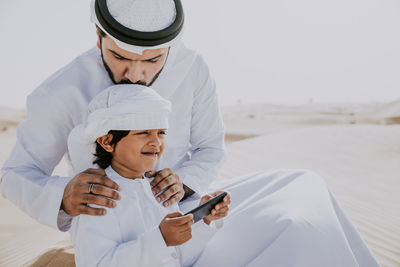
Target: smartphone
(205, 209)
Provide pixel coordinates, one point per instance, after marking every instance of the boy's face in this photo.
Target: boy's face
(139, 151)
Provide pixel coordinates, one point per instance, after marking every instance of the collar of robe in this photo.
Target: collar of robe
(138, 38)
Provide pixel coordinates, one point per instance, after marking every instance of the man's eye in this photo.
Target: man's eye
(162, 132)
(144, 132)
(118, 58)
(153, 61)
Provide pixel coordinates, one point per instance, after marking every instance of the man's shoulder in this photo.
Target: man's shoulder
(199, 68)
(79, 69)
(188, 52)
(69, 90)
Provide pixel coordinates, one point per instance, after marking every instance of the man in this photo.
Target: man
(139, 42)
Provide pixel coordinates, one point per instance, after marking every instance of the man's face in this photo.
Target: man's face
(127, 67)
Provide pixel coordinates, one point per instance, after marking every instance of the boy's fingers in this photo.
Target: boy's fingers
(221, 205)
(227, 198)
(174, 214)
(181, 220)
(216, 193)
(222, 210)
(185, 227)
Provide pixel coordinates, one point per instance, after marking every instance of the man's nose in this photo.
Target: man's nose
(135, 72)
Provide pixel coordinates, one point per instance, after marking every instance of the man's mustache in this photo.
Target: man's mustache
(126, 81)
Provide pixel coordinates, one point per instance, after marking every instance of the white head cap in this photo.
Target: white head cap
(120, 107)
(126, 107)
(144, 16)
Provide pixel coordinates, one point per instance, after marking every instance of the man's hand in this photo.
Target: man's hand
(220, 210)
(77, 196)
(176, 228)
(168, 180)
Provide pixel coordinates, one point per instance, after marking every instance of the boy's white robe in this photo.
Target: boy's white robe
(128, 235)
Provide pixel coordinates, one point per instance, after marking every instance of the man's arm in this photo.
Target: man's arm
(207, 145)
(207, 137)
(41, 143)
(26, 176)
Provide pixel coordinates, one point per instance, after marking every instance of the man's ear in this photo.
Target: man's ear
(98, 39)
(105, 141)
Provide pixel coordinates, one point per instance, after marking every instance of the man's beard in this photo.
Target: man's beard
(127, 81)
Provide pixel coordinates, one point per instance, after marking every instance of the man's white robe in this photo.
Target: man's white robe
(195, 149)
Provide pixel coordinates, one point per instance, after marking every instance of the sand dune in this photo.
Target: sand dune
(356, 148)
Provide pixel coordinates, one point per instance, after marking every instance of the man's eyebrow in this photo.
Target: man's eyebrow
(153, 57)
(118, 55)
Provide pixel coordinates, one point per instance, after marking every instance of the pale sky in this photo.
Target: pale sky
(284, 52)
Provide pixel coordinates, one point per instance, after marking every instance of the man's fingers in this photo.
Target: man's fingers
(173, 199)
(83, 209)
(101, 179)
(98, 200)
(165, 183)
(95, 171)
(150, 174)
(102, 190)
(160, 175)
(167, 194)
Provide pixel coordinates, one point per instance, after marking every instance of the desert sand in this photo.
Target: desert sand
(356, 148)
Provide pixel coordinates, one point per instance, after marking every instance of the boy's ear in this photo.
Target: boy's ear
(105, 141)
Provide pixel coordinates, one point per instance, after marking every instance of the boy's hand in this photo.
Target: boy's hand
(220, 210)
(176, 228)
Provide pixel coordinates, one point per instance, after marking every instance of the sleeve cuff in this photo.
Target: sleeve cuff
(164, 253)
(54, 191)
(190, 183)
(207, 231)
(64, 221)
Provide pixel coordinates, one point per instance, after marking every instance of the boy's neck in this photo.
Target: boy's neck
(126, 173)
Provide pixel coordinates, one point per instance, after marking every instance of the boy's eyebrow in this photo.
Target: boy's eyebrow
(118, 55)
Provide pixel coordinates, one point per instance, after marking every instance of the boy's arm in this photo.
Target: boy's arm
(98, 242)
(201, 235)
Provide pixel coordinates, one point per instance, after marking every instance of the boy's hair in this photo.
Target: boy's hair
(103, 158)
